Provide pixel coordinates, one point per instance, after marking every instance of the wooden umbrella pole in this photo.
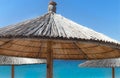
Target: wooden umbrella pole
(113, 72)
(49, 60)
(12, 71)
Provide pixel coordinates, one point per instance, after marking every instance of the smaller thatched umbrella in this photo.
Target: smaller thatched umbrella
(7, 60)
(103, 63)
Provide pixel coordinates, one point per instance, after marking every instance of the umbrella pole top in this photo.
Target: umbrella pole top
(52, 6)
(113, 72)
(13, 71)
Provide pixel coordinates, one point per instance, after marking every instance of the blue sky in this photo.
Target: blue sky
(100, 15)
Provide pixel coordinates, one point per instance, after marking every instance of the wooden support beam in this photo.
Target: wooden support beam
(113, 72)
(81, 51)
(49, 60)
(5, 43)
(12, 71)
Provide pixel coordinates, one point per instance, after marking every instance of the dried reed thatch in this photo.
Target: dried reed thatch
(7, 60)
(112, 63)
(102, 63)
(70, 40)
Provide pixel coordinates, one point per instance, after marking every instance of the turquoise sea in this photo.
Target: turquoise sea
(62, 69)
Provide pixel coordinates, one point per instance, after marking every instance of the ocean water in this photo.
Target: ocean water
(62, 69)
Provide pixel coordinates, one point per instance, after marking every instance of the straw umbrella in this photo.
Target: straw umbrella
(7, 60)
(53, 36)
(103, 63)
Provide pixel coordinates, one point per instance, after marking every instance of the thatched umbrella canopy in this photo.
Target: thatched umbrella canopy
(103, 63)
(7, 60)
(53, 36)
